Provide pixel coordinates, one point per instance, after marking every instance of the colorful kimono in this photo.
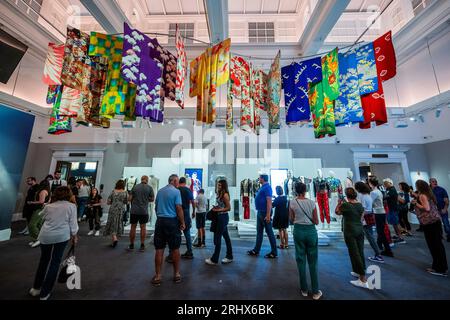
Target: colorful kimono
(258, 95)
(97, 84)
(119, 95)
(207, 72)
(181, 69)
(348, 107)
(296, 78)
(52, 94)
(322, 111)
(274, 95)
(58, 124)
(239, 88)
(385, 57)
(374, 106)
(144, 72)
(70, 102)
(76, 59)
(367, 69)
(169, 75)
(53, 64)
(330, 75)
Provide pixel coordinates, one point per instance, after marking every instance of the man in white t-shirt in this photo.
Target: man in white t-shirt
(200, 218)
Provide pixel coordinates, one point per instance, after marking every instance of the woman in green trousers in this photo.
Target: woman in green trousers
(303, 214)
(352, 212)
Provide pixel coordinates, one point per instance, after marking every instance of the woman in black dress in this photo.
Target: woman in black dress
(281, 217)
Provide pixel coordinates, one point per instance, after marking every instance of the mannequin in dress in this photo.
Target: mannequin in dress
(307, 182)
(321, 192)
(289, 186)
(349, 181)
(335, 193)
(188, 181)
(154, 183)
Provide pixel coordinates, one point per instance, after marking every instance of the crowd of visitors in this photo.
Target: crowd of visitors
(53, 208)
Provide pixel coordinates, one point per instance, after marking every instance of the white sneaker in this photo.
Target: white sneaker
(97, 233)
(30, 243)
(354, 274)
(34, 292)
(317, 295)
(36, 244)
(24, 231)
(45, 298)
(305, 294)
(227, 261)
(209, 262)
(90, 233)
(359, 283)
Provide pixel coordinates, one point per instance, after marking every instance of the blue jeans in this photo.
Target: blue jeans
(82, 203)
(51, 254)
(262, 225)
(446, 224)
(187, 231)
(222, 230)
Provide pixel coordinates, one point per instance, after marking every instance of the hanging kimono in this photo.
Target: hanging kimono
(258, 95)
(374, 106)
(207, 72)
(181, 69)
(52, 94)
(367, 69)
(239, 87)
(296, 78)
(385, 57)
(330, 75)
(76, 59)
(322, 111)
(348, 107)
(144, 72)
(274, 95)
(168, 62)
(70, 102)
(119, 95)
(53, 64)
(58, 124)
(97, 84)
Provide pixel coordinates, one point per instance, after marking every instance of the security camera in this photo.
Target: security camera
(337, 140)
(118, 138)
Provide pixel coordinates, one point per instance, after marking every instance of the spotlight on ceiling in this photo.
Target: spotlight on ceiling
(413, 119)
(438, 113)
(421, 118)
(180, 122)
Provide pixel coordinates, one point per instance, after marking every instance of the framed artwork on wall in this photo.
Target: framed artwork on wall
(196, 177)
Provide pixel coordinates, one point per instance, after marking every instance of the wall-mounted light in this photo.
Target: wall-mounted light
(421, 118)
(180, 122)
(438, 113)
(413, 119)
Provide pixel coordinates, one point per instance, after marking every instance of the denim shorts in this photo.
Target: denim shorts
(392, 218)
(200, 219)
(167, 232)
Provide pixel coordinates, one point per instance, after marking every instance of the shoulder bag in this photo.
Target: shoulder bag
(304, 212)
(428, 217)
(68, 266)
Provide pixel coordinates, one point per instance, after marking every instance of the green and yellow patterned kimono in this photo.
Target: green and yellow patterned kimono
(119, 96)
(274, 95)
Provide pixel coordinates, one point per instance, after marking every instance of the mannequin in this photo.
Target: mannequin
(307, 182)
(196, 184)
(188, 182)
(289, 186)
(335, 193)
(349, 181)
(246, 193)
(154, 183)
(321, 192)
(131, 182)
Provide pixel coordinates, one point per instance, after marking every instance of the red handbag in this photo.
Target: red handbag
(370, 219)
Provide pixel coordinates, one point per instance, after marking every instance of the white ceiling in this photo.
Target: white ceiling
(366, 5)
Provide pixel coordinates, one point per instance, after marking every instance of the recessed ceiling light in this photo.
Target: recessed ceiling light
(412, 119)
(180, 122)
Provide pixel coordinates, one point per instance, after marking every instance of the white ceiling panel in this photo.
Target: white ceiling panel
(236, 6)
(289, 6)
(189, 6)
(271, 6)
(253, 6)
(155, 7)
(172, 6)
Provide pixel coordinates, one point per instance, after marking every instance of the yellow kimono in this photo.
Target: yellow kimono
(207, 72)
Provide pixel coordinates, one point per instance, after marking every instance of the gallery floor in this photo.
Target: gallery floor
(117, 274)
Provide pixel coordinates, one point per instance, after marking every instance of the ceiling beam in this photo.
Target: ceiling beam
(181, 7)
(262, 6)
(279, 6)
(108, 14)
(323, 18)
(164, 7)
(217, 19)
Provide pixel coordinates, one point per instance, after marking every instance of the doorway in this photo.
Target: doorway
(78, 170)
(382, 171)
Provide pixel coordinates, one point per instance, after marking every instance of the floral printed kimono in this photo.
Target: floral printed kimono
(296, 78)
(181, 69)
(348, 107)
(274, 95)
(119, 95)
(322, 96)
(53, 64)
(367, 69)
(374, 104)
(76, 59)
(144, 72)
(168, 62)
(58, 124)
(207, 72)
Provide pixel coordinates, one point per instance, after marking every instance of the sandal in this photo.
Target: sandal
(281, 246)
(177, 279)
(156, 282)
(252, 253)
(270, 256)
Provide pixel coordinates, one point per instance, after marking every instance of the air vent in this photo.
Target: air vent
(77, 155)
(378, 156)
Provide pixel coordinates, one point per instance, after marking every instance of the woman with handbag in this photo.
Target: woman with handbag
(60, 225)
(221, 230)
(404, 201)
(117, 201)
(94, 212)
(42, 197)
(430, 220)
(303, 214)
(352, 212)
(368, 219)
